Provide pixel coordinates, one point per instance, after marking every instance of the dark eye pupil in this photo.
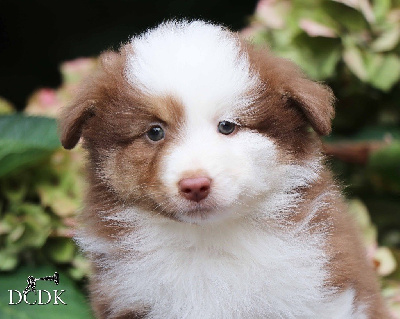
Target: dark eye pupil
(226, 127)
(156, 133)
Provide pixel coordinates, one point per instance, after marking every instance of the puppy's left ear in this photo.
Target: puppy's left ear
(315, 101)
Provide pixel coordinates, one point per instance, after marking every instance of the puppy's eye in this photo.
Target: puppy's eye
(156, 133)
(226, 127)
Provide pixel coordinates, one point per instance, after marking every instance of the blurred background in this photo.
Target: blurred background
(46, 50)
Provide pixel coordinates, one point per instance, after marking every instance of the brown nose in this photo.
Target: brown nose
(195, 189)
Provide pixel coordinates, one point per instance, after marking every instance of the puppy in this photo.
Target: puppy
(208, 197)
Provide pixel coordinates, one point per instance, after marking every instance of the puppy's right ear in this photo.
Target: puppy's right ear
(74, 117)
(72, 121)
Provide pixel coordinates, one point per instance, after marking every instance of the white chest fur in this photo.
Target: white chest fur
(230, 270)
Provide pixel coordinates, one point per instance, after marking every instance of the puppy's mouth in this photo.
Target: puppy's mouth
(203, 207)
(201, 212)
(183, 210)
(194, 215)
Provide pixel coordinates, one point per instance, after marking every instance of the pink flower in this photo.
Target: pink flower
(272, 13)
(44, 102)
(314, 29)
(47, 97)
(75, 70)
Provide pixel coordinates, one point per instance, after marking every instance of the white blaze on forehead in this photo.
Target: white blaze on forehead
(199, 63)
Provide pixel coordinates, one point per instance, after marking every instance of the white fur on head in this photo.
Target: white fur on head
(197, 62)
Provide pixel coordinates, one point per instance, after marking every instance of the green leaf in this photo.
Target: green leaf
(388, 40)
(348, 18)
(5, 107)
(380, 70)
(14, 192)
(61, 250)
(359, 212)
(81, 267)
(25, 140)
(381, 8)
(353, 58)
(76, 304)
(314, 12)
(317, 56)
(58, 199)
(387, 74)
(32, 230)
(8, 259)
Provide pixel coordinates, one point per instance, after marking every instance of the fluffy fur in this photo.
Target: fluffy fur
(271, 240)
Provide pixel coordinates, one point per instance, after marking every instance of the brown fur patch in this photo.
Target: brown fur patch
(348, 266)
(113, 117)
(289, 103)
(101, 300)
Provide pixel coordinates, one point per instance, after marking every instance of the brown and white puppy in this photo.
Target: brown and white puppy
(207, 193)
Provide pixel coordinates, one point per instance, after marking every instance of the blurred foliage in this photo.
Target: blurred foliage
(5, 107)
(24, 140)
(38, 202)
(41, 184)
(354, 47)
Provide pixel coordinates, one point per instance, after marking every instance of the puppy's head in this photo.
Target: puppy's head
(190, 122)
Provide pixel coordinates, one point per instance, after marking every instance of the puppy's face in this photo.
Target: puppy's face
(189, 122)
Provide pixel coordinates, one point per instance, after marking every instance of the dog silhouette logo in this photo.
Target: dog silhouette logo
(32, 281)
